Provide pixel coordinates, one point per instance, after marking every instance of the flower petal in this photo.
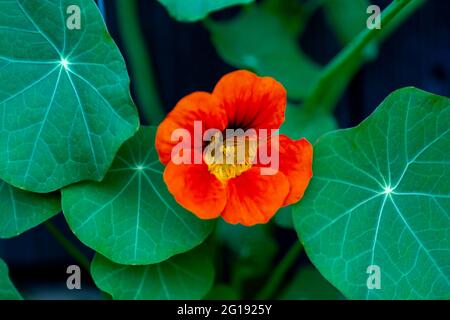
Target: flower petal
(252, 102)
(194, 188)
(296, 163)
(198, 106)
(254, 198)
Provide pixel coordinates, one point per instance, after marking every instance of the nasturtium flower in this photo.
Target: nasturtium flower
(237, 191)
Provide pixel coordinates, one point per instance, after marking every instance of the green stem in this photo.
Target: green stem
(139, 61)
(351, 57)
(279, 272)
(67, 245)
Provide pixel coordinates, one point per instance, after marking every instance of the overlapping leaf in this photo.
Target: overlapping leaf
(65, 106)
(130, 217)
(22, 210)
(257, 40)
(186, 276)
(380, 196)
(193, 10)
(7, 289)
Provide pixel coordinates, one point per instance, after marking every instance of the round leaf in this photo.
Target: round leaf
(186, 276)
(65, 106)
(7, 289)
(22, 210)
(380, 201)
(130, 217)
(194, 10)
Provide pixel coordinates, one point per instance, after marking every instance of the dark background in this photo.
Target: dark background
(184, 60)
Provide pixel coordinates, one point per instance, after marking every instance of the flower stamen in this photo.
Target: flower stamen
(230, 158)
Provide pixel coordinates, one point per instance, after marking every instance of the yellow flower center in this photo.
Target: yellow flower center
(230, 158)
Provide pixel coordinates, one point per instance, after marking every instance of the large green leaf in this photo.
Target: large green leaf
(186, 276)
(7, 289)
(194, 10)
(65, 106)
(257, 40)
(130, 217)
(22, 210)
(380, 196)
(308, 284)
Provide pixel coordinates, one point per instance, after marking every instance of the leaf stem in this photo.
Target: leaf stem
(67, 245)
(139, 61)
(352, 56)
(280, 272)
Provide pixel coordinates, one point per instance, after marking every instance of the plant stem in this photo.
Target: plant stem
(280, 272)
(352, 56)
(139, 61)
(67, 245)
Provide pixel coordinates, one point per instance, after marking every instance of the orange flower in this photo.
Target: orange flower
(236, 191)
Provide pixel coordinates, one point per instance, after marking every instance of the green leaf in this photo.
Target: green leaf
(293, 13)
(194, 10)
(7, 289)
(346, 18)
(308, 284)
(65, 105)
(257, 40)
(310, 125)
(380, 196)
(130, 217)
(186, 276)
(23, 210)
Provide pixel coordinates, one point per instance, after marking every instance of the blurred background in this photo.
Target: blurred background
(169, 59)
